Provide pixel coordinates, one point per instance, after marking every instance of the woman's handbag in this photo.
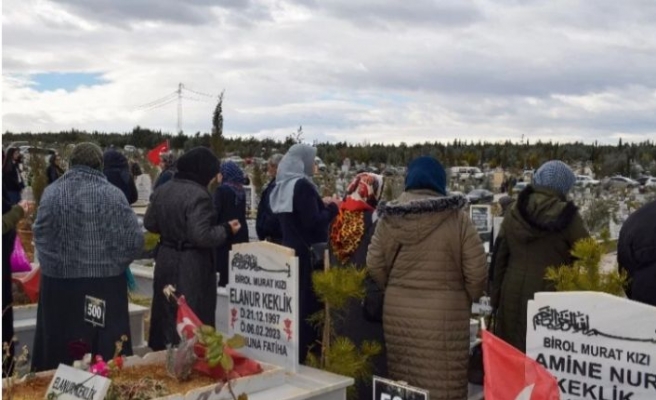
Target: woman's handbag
(374, 298)
(317, 255)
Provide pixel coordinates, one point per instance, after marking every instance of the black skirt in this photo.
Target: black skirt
(61, 331)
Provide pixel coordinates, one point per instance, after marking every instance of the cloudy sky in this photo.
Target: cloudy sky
(354, 70)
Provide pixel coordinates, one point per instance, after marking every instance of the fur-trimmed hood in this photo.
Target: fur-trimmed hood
(415, 214)
(540, 211)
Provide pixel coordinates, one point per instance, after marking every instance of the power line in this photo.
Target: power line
(198, 100)
(200, 93)
(165, 98)
(171, 100)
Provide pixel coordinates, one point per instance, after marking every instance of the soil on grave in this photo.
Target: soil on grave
(35, 389)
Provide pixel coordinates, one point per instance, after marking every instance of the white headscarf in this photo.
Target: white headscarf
(297, 163)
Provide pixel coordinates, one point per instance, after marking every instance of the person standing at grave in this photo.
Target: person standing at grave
(117, 171)
(267, 224)
(86, 235)
(54, 170)
(10, 217)
(304, 219)
(181, 212)
(636, 253)
(230, 204)
(428, 257)
(142, 182)
(167, 162)
(12, 178)
(350, 235)
(538, 232)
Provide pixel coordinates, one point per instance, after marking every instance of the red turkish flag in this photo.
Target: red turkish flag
(511, 375)
(153, 155)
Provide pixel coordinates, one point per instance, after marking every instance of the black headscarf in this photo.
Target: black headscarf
(198, 165)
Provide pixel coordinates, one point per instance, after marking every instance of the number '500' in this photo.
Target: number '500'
(94, 311)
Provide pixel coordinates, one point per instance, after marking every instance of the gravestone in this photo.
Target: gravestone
(597, 346)
(481, 216)
(263, 302)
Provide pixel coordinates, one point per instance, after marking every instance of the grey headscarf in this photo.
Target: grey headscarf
(297, 164)
(87, 154)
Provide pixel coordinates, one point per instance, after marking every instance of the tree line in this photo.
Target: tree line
(626, 159)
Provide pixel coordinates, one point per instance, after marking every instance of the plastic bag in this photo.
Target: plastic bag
(18, 260)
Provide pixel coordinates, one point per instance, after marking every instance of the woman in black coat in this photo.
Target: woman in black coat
(350, 235)
(304, 219)
(117, 171)
(636, 253)
(54, 170)
(230, 204)
(181, 212)
(12, 179)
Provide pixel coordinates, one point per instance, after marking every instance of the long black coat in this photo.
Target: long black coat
(353, 325)
(267, 223)
(117, 171)
(636, 253)
(306, 225)
(228, 208)
(182, 213)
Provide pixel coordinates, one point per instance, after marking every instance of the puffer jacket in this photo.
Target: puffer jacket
(636, 254)
(438, 271)
(539, 232)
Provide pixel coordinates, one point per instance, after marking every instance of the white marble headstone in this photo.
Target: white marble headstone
(263, 302)
(598, 346)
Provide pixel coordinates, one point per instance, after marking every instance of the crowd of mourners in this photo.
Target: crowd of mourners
(421, 250)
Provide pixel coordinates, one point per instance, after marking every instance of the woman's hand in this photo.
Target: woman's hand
(235, 226)
(27, 206)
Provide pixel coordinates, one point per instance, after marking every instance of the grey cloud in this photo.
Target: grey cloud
(394, 12)
(119, 12)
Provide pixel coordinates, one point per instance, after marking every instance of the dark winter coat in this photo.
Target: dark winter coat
(228, 208)
(117, 171)
(538, 232)
(164, 177)
(636, 253)
(306, 225)
(182, 213)
(439, 270)
(53, 172)
(353, 325)
(267, 224)
(12, 179)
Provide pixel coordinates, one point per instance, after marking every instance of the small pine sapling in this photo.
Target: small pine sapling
(585, 273)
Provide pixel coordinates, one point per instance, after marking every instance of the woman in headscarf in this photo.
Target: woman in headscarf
(181, 213)
(12, 179)
(54, 170)
(539, 231)
(429, 258)
(230, 204)
(167, 164)
(86, 235)
(117, 171)
(350, 235)
(304, 219)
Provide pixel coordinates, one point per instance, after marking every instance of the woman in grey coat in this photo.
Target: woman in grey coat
(182, 213)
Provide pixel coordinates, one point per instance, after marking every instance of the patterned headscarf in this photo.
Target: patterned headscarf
(362, 194)
(233, 178)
